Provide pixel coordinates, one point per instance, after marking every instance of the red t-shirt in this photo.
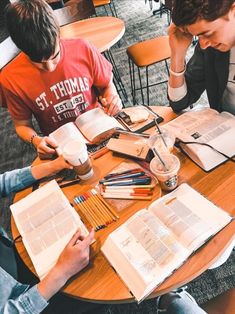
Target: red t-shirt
(57, 97)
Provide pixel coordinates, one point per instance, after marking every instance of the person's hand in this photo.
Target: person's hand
(179, 41)
(59, 164)
(49, 168)
(75, 255)
(111, 104)
(73, 259)
(45, 147)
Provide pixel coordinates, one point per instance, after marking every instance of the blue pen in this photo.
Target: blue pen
(136, 181)
(124, 176)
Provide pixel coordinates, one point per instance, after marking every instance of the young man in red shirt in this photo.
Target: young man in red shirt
(52, 79)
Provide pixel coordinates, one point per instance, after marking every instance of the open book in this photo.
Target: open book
(91, 127)
(151, 244)
(205, 126)
(46, 222)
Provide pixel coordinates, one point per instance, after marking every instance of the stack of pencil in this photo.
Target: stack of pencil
(95, 209)
(129, 184)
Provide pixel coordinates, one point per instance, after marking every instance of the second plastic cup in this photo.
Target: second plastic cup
(163, 142)
(75, 152)
(168, 175)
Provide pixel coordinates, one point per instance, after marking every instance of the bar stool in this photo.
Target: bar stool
(143, 55)
(104, 3)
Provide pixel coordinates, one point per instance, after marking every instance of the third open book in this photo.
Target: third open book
(202, 127)
(154, 242)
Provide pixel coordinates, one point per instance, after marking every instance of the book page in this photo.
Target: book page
(96, 125)
(65, 134)
(46, 222)
(190, 216)
(144, 252)
(205, 126)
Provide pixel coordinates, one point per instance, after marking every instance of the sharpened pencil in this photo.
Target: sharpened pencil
(87, 214)
(99, 209)
(101, 220)
(94, 192)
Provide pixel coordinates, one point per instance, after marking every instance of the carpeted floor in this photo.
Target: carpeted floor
(140, 25)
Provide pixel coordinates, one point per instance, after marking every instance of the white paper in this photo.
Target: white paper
(46, 222)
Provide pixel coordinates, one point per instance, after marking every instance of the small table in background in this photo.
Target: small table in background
(103, 32)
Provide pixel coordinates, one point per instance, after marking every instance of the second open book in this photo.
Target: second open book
(154, 242)
(206, 126)
(91, 127)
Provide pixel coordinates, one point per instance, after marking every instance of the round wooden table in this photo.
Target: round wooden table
(99, 282)
(103, 32)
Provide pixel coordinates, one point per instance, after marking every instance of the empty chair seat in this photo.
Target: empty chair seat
(143, 55)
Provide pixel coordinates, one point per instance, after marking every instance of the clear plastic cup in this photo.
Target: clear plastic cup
(163, 143)
(167, 175)
(75, 152)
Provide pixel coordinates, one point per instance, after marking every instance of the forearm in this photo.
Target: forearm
(45, 169)
(109, 90)
(52, 283)
(28, 134)
(177, 65)
(15, 180)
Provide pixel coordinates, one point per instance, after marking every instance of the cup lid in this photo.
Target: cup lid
(171, 161)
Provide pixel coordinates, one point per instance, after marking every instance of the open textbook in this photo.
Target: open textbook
(205, 126)
(154, 242)
(46, 221)
(91, 127)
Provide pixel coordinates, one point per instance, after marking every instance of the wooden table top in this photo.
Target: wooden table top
(103, 32)
(99, 282)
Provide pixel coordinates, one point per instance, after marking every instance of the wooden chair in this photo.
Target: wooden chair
(143, 55)
(74, 10)
(104, 3)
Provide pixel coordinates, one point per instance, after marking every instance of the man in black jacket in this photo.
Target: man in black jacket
(212, 66)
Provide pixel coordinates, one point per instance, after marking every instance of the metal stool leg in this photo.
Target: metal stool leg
(131, 78)
(114, 8)
(147, 82)
(141, 86)
(106, 10)
(134, 90)
(109, 56)
(167, 68)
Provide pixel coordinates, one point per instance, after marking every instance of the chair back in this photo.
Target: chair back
(8, 52)
(74, 10)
